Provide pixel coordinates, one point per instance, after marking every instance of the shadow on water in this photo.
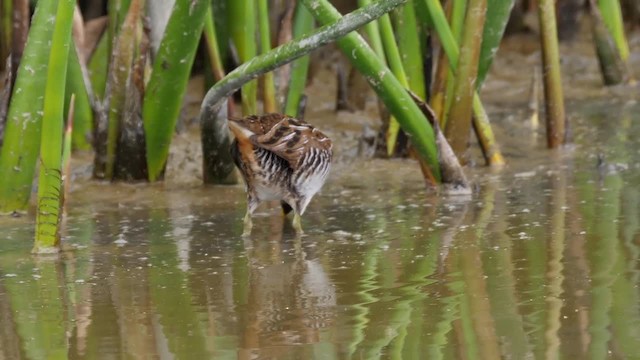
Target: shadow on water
(542, 262)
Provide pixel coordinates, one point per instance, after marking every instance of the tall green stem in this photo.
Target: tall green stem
(243, 33)
(459, 117)
(554, 98)
(50, 180)
(268, 84)
(302, 24)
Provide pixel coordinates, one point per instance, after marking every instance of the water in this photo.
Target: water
(541, 262)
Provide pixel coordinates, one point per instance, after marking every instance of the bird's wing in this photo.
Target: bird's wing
(291, 139)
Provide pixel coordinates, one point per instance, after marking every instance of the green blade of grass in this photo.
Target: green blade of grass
(50, 179)
(169, 79)
(24, 119)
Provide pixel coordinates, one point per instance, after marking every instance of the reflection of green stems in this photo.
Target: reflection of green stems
(501, 280)
(555, 267)
(38, 309)
(603, 255)
(176, 310)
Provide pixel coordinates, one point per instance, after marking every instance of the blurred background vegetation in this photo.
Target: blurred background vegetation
(115, 74)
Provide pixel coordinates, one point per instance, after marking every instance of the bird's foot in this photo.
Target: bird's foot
(297, 224)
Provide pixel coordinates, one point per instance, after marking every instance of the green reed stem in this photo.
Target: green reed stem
(243, 32)
(47, 237)
(459, 117)
(303, 23)
(213, 50)
(554, 98)
(481, 123)
(611, 64)
(98, 67)
(458, 11)
(83, 111)
(612, 16)
(168, 83)
(395, 64)
(24, 118)
(269, 102)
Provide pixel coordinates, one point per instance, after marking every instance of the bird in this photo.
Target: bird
(279, 158)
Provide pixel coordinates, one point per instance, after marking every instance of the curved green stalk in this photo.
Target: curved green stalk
(50, 180)
(24, 119)
(168, 82)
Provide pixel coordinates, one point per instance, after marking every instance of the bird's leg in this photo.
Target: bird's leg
(248, 224)
(297, 223)
(252, 204)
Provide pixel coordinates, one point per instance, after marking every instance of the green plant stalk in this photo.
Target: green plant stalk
(66, 147)
(410, 47)
(83, 112)
(119, 69)
(98, 67)
(458, 124)
(612, 16)
(490, 148)
(243, 32)
(612, 67)
(395, 64)
(389, 88)
(24, 118)
(50, 182)
(117, 11)
(269, 102)
(498, 13)
(213, 50)
(168, 82)
(303, 23)
(554, 98)
(457, 14)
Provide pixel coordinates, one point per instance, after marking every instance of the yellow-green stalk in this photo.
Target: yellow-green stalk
(554, 98)
(83, 111)
(303, 23)
(268, 85)
(242, 25)
(213, 49)
(48, 213)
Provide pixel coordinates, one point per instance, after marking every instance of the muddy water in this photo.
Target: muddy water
(541, 262)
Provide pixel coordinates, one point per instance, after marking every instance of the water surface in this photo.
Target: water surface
(542, 261)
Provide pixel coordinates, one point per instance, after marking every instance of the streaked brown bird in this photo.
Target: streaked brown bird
(280, 158)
